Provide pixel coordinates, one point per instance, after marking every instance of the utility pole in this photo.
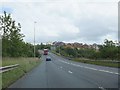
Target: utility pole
(34, 37)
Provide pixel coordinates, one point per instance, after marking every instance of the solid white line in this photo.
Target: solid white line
(70, 72)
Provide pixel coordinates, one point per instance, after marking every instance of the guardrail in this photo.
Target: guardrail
(8, 68)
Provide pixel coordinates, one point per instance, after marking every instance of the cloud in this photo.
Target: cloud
(60, 20)
(59, 1)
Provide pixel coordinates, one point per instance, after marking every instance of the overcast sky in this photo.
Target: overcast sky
(86, 21)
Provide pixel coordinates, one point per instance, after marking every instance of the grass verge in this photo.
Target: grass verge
(95, 62)
(98, 62)
(26, 64)
(56, 53)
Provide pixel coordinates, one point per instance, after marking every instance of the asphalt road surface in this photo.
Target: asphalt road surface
(63, 73)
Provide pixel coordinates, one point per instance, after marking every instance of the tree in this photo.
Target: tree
(109, 50)
(11, 37)
(70, 52)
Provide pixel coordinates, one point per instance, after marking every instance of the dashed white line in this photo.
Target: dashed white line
(61, 67)
(70, 71)
(102, 88)
(108, 71)
(90, 68)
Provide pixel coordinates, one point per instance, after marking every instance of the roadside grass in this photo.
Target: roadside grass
(25, 65)
(95, 62)
(56, 53)
(98, 62)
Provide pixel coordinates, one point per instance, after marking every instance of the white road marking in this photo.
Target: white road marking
(89, 67)
(102, 88)
(108, 71)
(70, 72)
(61, 67)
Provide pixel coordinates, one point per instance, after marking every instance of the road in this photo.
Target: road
(63, 73)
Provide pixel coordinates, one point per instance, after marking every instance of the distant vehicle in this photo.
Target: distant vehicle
(45, 51)
(48, 58)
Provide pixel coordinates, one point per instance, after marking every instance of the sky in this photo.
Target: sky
(83, 21)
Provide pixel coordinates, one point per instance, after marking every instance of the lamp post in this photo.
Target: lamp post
(59, 49)
(34, 37)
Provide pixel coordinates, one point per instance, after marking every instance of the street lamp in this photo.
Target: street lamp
(34, 37)
(59, 49)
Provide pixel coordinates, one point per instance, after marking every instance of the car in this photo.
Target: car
(48, 58)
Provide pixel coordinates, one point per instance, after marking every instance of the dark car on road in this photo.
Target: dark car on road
(48, 58)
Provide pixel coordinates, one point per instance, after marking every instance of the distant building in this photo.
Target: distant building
(53, 48)
(95, 46)
(58, 43)
(75, 45)
(49, 43)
